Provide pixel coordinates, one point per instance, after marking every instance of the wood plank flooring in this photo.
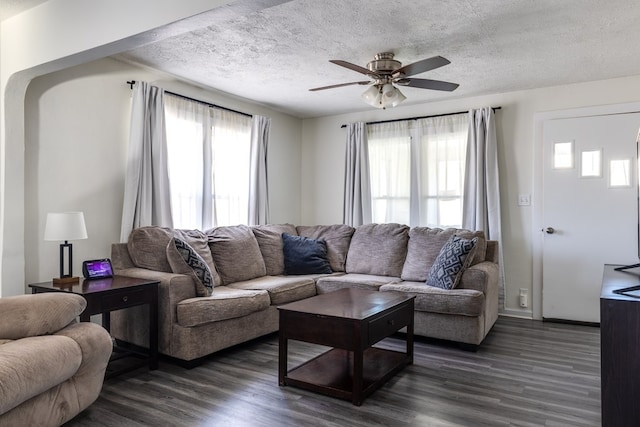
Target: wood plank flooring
(526, 373)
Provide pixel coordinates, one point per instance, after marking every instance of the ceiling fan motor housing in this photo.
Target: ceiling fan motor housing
(384, 64)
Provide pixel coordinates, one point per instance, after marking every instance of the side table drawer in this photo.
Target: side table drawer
(126, 299)
(389, 323)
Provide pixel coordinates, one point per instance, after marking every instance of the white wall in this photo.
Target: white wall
(77, 124)
(323, 161)
(52, 36)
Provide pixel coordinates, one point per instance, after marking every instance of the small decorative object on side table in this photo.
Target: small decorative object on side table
(110, 294)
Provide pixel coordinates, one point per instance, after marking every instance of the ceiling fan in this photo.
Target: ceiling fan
(384, 72)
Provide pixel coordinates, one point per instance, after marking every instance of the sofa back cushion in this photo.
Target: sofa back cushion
(236, 253)
(378, 249)
(337, 237)
(269, 239)
(425, 244)
(148, 246)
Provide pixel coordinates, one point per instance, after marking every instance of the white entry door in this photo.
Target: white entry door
(589, 211)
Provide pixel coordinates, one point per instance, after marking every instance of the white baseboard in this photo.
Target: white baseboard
(521, 314)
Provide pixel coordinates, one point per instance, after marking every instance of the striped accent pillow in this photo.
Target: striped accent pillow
(454, 257)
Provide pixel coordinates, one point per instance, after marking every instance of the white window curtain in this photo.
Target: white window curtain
(482, 184)
(357, 187)
(146, 193)
(440, 169)
(231, 143)
(390, 171)
(417, 170)
(209, 164)
(188, 127)
(258, 184)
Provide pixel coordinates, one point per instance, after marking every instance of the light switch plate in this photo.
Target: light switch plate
(524, 200)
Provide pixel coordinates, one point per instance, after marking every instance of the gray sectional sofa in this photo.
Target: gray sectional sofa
(201, 314)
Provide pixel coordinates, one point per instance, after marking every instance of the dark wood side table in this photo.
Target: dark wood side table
(620, 346)
(106, 295)
(351, 321)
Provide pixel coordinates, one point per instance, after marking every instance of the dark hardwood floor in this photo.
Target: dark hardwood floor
(526, 373)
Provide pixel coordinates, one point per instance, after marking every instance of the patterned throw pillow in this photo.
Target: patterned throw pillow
(304, 256)
(451, 262)
(197, 267)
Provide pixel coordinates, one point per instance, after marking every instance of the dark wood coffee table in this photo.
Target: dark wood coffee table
(351, 321)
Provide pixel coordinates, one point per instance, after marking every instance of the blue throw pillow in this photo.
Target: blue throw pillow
(451, 262)
(304, 256)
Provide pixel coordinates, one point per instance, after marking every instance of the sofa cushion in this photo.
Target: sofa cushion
(303, 255)
(148, 245)
(269, 239)
(282, 289)
(352, 280)
(451, 262)
(147, 248)
(378, 249)
(224, 303)
(465, 302)
(236, 253)
(425, 244)
(183, 259)
(337, 238)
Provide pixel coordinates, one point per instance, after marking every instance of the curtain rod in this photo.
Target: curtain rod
(420, 117)
(132, 82)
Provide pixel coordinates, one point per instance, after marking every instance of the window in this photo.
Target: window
(209, 166)
(620, 173)
(417, 171)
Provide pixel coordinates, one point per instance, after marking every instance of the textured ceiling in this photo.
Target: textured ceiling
(272, 52)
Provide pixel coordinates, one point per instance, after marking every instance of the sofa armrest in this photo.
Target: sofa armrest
(31, 315)
(492, 253)
(481, 277)
(96, 346)
(172, 289)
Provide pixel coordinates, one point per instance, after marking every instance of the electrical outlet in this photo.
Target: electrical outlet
(524, 200)
(523, 300)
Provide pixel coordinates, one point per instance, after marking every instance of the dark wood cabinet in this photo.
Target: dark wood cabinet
(620, 347)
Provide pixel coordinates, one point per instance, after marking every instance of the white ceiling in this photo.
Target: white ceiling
(273, 51)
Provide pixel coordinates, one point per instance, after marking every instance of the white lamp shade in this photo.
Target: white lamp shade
(65, 226)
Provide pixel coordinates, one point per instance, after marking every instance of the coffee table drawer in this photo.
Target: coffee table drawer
(126, 299)
(390, 323)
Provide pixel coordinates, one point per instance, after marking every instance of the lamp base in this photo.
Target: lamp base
(65, 280)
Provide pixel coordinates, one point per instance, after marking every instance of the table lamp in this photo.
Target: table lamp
(65, 226)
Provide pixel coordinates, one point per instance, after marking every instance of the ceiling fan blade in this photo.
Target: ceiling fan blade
(422, 66)
(340, 85)
(353, 67)
(432, 84)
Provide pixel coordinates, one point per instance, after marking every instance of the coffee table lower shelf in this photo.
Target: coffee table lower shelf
(331, 373)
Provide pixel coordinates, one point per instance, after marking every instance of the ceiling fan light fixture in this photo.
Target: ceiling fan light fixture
(372, 96)
(391, 96)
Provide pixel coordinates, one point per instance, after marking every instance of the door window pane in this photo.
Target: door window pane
(620, 173)
(563, 155)
(591, 164)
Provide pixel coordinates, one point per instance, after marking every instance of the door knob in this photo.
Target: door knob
(549, 230)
